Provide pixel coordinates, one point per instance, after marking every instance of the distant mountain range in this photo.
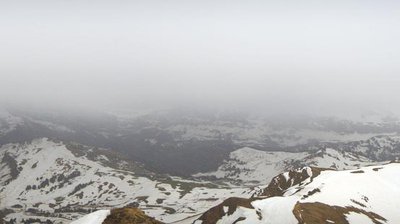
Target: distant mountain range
(187, 142)
(249, 166)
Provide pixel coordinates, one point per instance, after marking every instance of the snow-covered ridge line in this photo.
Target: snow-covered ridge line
(365, 195)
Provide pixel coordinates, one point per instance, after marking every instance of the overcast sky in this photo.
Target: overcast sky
(283, 55)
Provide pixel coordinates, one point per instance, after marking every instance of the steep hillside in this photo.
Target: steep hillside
(55, 181)
(312, 195)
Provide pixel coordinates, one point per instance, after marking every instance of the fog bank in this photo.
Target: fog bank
(287, 56)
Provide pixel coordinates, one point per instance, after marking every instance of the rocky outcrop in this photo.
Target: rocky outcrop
(129, 216)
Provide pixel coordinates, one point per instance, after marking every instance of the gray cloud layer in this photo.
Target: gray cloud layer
(283, 55)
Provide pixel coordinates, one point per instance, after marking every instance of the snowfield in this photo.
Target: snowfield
(96, 217)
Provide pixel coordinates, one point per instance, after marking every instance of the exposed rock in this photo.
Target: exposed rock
(129, 216)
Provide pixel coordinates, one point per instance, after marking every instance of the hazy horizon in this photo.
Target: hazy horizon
(310, 57)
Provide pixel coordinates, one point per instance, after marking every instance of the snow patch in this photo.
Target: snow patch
(96, 217)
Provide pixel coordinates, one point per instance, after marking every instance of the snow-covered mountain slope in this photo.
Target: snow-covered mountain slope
(250, 166)
(311, 195)
(382, 147)
(55, 181)
(8, 122)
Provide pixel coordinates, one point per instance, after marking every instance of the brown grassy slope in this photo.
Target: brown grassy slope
(129, 216)
(319, 213)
